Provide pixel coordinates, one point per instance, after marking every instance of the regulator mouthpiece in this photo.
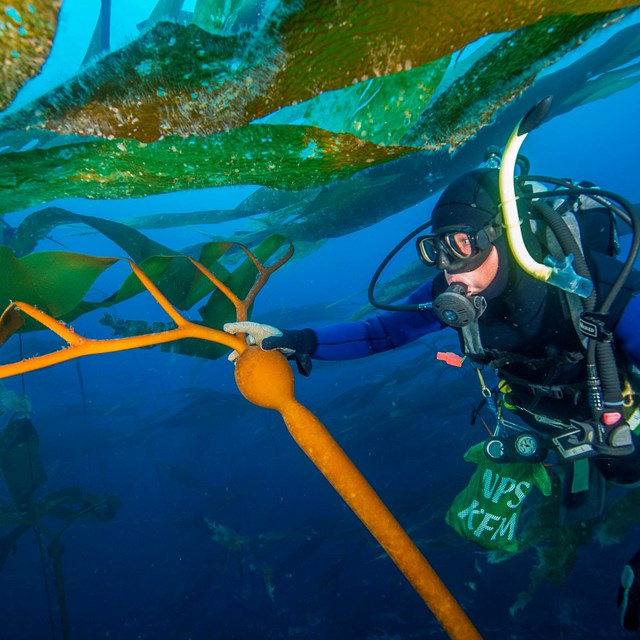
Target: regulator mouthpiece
(456, 309)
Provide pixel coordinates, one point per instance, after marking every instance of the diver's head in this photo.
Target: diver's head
(465, 224)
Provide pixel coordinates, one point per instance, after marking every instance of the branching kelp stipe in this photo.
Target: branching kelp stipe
(266, 379)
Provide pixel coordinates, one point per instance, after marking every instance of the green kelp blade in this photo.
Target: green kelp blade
(177, 278)
(182, 219)
(354, 203)
(499, 76)
(174, 79)
(606, 85)
(261, 201)
(101, 40)
(164, 10)
(27, 28)
(37, 226)
(210, 255)
(224, 17)
(279, 156)
(330, 45)
(248, 155)
(181, 80)
(54, 281)
(381, 109)
(284, 158)
(600, 71)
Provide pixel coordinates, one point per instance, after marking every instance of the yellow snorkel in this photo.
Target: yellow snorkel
(559, 273)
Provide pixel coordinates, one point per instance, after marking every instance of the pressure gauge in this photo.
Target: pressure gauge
(526, 445)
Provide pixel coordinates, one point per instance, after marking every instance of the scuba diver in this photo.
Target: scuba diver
(528, 277)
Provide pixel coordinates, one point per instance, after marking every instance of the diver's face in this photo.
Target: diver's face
(479, 279)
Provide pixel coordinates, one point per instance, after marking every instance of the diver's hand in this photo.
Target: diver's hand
(295, 344)
(256, 334)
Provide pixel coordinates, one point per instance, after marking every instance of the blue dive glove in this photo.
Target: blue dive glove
(295, 344)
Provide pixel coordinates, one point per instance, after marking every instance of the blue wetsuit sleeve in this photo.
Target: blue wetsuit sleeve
(384, 331)
(627, 331)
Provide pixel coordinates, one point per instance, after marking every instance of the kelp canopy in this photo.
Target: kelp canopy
(326, 105)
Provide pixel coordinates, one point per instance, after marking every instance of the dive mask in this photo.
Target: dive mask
(457, 249)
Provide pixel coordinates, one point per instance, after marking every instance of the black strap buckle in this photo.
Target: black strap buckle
(549, 391)
(594, 325)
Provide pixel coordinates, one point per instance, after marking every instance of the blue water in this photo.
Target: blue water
(172, 437)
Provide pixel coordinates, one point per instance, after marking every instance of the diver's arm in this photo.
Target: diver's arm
(350, 340)
(347, 340)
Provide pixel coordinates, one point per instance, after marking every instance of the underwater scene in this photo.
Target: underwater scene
(169, 166)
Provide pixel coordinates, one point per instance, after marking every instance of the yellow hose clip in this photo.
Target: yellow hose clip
(628, 395)
(505, 389)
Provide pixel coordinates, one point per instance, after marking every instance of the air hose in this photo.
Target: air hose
(608, 389)
(603, 380)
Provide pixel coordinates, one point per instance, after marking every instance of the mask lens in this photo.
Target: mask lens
(461, 244)
(428, 249)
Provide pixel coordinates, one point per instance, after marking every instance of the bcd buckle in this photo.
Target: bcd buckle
(575, 443)
(593, 325)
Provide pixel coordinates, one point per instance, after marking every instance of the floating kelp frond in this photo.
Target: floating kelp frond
(182, 80)
(279, 156)
(13, 140)
(181, 219)
(331, 45)
(261, 201)
(225, 16)
(54, 281)
(296, 157)
(37, 226)
(380, 109)
(27, 28)
(499, 76)
(166, 10)
(173, 80)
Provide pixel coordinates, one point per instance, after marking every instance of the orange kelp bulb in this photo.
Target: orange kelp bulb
(264, 378)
